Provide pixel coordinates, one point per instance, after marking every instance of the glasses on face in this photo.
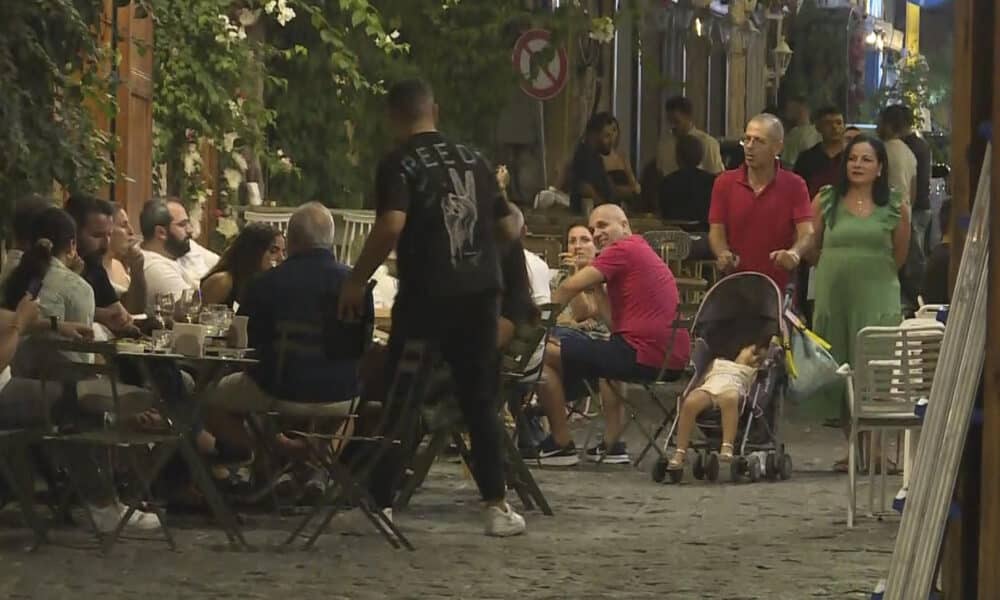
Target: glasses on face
(750, 140)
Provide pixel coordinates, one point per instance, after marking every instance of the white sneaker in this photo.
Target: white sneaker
(106, 518)
(387, 513)
(503, 522)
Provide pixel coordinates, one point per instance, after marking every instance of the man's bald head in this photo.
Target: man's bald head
(609, 224)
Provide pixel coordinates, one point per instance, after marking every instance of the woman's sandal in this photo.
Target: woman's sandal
(726, 453)
(676, 462)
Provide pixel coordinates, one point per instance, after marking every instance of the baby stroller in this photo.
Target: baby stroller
(733, 307)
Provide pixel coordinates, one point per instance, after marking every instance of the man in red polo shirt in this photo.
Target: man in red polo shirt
(641, 308)
(760, 219)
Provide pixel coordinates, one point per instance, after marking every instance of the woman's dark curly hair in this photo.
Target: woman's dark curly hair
(243, 257)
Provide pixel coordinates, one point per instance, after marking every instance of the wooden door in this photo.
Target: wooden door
(132, 124)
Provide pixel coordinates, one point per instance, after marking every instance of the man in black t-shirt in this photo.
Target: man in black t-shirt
(686, 194)
(587, 179)
(439, 206)
(94, 222)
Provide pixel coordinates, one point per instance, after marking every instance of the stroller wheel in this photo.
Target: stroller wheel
(712, 468)
(698, 468)
(736, 468)
(676, 475)
(786, 467)
(659, 471)
(771, 466)
(754, 468)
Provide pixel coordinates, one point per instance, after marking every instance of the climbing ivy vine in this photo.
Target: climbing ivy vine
(53, 85)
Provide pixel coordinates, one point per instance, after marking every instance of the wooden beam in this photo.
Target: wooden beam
(971, 104)
(989, 528)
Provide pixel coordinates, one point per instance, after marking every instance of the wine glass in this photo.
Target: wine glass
(191, 301)
(163, 304)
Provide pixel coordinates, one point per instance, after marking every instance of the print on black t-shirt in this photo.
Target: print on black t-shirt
(451, 200)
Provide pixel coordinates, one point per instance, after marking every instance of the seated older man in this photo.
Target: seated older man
(643, 299)
(298, 296)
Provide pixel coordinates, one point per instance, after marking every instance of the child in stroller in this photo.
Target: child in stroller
(738, 348)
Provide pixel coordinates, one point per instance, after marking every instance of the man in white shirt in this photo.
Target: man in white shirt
(539, 276)
(902, 161)
(198, 261)
(802, 134)
(679, 111)
(166, 233)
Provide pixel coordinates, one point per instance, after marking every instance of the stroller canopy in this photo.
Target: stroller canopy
(742, 298)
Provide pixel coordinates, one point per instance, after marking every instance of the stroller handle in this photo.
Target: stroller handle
(789, 297)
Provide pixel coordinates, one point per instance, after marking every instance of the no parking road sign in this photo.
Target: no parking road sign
(550, 78)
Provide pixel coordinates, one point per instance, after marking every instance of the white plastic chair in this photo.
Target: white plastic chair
(894, 368)
(278, 220)
(357, 225)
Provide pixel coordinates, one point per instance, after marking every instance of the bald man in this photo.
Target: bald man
(640, 309)
(760, 218)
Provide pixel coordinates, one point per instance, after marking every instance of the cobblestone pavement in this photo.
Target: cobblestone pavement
(616, 534)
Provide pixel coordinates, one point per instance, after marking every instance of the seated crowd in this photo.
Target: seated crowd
(465, 283)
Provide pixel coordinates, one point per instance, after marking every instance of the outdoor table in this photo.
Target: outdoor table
(209, 368)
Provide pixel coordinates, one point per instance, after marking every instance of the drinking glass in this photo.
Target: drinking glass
(163, 304)
(225, 319)
(207, 317)
(162, 340)
(191, 301)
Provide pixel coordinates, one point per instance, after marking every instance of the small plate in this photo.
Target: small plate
(135, 347)
(226, 352)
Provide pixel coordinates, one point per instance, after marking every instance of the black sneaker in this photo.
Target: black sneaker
(552, 454)
(618, 455)
(528, 452)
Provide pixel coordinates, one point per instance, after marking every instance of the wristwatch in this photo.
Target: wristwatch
(54, 322)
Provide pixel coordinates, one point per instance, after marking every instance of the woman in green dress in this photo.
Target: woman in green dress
(862, 237)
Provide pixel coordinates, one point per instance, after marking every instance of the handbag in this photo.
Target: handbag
(810, 365)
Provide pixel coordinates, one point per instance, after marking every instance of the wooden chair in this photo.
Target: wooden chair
(518, 382)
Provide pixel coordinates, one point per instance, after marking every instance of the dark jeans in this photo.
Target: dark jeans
(613, 359)
(464, 331)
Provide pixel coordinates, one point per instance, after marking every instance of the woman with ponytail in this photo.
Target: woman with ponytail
(50, 263)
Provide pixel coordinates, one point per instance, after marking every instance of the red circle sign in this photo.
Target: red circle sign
(550, 78)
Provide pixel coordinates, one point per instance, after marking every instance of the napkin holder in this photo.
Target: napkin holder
(189, 339)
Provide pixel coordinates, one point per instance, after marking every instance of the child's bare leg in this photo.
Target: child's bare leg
(696, 402)
(729, 406)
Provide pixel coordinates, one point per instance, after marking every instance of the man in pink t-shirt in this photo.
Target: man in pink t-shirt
(641, 310)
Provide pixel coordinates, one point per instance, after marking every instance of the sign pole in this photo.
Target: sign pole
(541, 142)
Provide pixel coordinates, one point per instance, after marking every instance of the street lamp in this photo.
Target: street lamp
(782, 57)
